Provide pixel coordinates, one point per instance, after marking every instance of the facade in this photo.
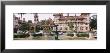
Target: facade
(72, 23)
(65, 23)
(15, 21)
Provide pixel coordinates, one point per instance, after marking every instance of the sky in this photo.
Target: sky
(42, 16)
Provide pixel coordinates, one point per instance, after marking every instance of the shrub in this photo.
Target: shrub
(21, 36)
(70, 35)
(37, 35)
(82, 35)
(79, 38)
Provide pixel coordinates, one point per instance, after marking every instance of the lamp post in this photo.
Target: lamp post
(56, 36)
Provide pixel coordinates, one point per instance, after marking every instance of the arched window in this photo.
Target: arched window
(86, 28)
(81, 28)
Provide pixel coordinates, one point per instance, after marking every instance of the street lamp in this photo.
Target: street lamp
(56, 36)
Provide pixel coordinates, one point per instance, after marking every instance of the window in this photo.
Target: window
(86, 23)
(81, 23)
(78, 23)
(66, 28)
(81, 28)
(86, 19)
(60, 28)
(16, 22)
(86, 28)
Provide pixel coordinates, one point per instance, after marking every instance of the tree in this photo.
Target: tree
(21, 14)
(70, 24)
(38, 28)
(24, 27)
(15, 30)
(93, 22)
(47, 24)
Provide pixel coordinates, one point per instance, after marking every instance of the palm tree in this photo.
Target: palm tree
(21, 14)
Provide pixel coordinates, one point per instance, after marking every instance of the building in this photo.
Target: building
(47, 25)
(72, 23)
(15, 21)
(36, 20)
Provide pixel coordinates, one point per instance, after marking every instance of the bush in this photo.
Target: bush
(79, 38)
(21, 36)
(70, 35)
(37, 35)
(82, 35)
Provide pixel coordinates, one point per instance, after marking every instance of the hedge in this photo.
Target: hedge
(37, 35)
(82, 35)
(21, 36)
(70, 35)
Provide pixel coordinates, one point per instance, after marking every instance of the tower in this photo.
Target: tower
(23, 19)
(36, 20)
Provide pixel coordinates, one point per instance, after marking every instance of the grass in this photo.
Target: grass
(82, 35)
